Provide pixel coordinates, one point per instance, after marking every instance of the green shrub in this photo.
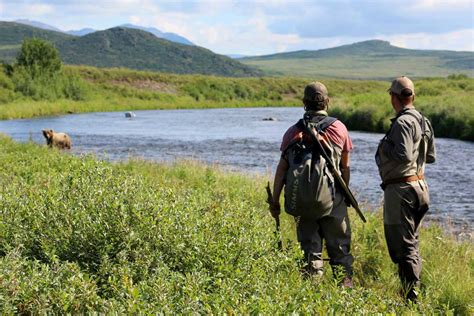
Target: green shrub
(39, 58)
(74, 87)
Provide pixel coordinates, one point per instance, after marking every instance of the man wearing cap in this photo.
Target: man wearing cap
(334, 228)
(401, 157)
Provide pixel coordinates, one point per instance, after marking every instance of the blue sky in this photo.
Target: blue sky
(270, 26)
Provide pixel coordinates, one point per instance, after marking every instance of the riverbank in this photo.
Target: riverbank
(82, 235)
(362, 105)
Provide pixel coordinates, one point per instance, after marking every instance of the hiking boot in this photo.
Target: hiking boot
(310, 271)
(346, 282)
(410, 295)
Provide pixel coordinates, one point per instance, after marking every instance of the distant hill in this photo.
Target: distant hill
(37, 24)
(168, 36)
(237, 56)
(81, 32)
(373, 59)
(12, 35)
(136, 49)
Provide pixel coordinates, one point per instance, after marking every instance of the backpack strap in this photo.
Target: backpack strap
(422, 147)
(321, 125)
(421, 121)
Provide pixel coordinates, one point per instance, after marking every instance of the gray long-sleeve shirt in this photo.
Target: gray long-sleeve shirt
(401, 153)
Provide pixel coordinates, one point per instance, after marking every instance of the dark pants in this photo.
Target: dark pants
(405, 205)
(335, 230)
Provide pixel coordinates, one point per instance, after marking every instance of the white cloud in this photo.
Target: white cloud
(442, 4)
(25, 10)
(135, 20)
(462, 40)
(250, 38)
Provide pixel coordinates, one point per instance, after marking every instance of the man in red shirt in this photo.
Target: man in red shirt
(333, 228)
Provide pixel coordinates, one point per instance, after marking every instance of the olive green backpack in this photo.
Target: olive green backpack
(309, 185)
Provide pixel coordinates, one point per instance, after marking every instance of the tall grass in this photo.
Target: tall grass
(362, 105)
(79, 235)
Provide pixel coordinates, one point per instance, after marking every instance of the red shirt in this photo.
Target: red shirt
(336, 132)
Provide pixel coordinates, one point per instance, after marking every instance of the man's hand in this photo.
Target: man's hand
(274, 208)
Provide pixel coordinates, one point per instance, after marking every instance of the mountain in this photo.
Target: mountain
(39, 25)
(237, 56)
(168, 36)
(124, 47)
(136, 49)
(81, 32)
(374, 59)
(12, 35)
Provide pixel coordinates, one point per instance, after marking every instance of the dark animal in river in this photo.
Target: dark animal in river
(130, 114)
(269, 119)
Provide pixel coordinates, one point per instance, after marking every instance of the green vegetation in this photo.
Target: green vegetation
(39, 58)
(37, 74)
(79, 235)
(362, 105)
(365, 60)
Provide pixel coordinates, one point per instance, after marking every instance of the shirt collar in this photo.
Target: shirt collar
(403, 111)
(316, 113)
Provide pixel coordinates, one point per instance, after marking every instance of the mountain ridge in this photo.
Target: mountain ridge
(84, 31)
(141, 50)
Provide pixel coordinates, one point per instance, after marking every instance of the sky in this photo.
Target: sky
(270, 26)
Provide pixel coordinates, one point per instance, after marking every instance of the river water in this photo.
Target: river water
(239, 139)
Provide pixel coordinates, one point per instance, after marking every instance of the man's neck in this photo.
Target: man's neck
(404, 107)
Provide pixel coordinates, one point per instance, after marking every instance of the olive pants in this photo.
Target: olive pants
(405, 205)
(335, 230)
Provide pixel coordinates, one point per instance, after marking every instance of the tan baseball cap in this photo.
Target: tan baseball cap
(402, 84)
(312, 90)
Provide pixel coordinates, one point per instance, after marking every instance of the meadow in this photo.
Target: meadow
(362, 105)
(79, 235)
(365, 66)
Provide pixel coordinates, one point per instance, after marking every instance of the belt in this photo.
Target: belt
(402, 180)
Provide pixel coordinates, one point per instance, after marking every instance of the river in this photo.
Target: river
(239, 139)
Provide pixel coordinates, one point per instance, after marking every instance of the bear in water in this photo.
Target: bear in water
(58, 140)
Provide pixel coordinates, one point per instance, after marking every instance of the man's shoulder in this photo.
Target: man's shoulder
(409, 116)
(292, 129)
(339, 127)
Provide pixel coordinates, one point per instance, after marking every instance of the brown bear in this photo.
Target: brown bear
(58, 140)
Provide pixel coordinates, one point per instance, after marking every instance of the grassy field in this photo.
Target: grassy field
(78, 235)
(357, 67)
(362, 105)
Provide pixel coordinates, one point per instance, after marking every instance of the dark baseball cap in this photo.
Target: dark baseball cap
(402, 84)
(312, 90)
